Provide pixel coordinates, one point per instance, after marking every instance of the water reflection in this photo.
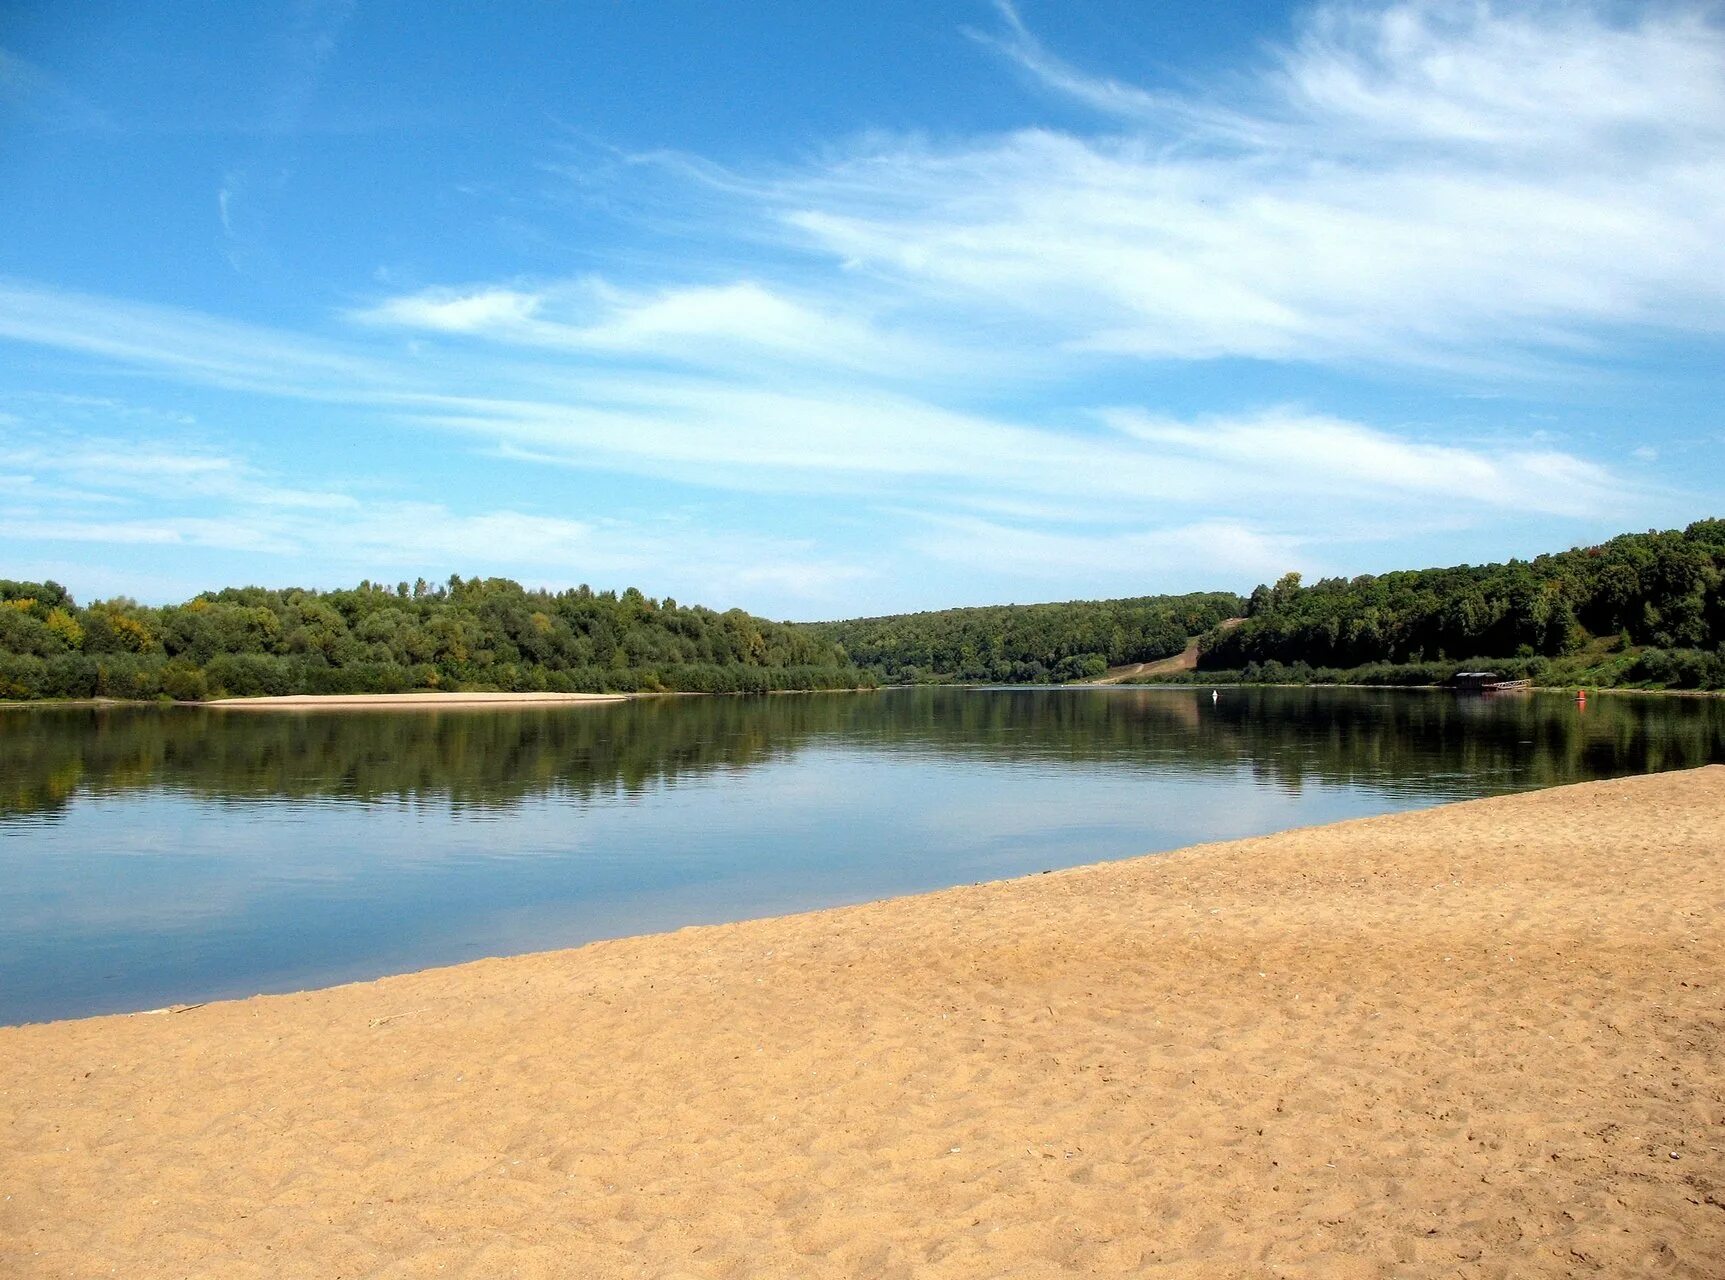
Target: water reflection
(1429, 743)
(151, 855)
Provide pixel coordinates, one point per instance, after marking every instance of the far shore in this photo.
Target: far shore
(436, 700)
(1589, 689)
(427, 701)
(1480, 1040)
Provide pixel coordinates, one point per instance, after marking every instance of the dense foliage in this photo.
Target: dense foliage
(1643, 608)
(1029, 643)
(475, 634)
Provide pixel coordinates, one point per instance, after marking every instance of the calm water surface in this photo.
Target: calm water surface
(159, 855)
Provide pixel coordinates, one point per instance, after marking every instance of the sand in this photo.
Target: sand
(1185, 660)
(428, 701)
(1483, 1040)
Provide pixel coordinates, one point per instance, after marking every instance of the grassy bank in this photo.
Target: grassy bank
(1603, 664)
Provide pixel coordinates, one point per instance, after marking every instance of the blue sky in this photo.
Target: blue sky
(827, 310)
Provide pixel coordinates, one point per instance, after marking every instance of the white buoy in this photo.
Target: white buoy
(1214, 696)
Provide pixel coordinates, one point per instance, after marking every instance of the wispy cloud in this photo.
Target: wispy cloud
(945, 329)
(1459, 186)
(1019, 43)
(191, 344)
(1346, 461)
(760, 440)
(742, 326)
(125, 494)
(488, 311)
(1232, 550)
(116, 469)
(821, 435)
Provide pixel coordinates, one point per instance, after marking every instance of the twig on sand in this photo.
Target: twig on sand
(391, 1017)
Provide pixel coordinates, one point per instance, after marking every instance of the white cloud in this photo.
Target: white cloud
(85, 492)
(1106, 95)
(895, 447)
(1310, 453)
(739, 326)
(1449, 186)
(114, 470)
(1216, 551)
(164, 531)
(743, 314)
(188, 343)
(817, 434)
(94, 408)
(1465, 186)
(1523, 76)
(489, 310)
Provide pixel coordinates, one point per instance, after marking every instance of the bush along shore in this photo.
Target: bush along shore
(477, 634)
(1645, 668)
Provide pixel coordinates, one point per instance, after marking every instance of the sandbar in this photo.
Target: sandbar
(1482, 1040)
(428, 701)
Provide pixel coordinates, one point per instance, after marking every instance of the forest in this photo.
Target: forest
(478, 633)
(1643, 609)
(1029, 643)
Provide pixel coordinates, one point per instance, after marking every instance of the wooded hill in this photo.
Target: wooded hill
(1644, 608)
(1027, 643)
(485, 633)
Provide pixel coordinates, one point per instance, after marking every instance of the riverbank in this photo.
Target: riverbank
(428, 701)
(432, 699)
(1571, 689)
(1477, 1040)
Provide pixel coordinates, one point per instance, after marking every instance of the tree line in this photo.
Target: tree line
(1033, 643)
(477, 633)
(1641, 609)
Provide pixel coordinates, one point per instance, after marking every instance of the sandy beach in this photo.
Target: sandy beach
(1486, 1040)
(428, 701)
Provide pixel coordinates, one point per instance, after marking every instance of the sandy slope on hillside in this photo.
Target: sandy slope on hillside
(1485, 1040)
(1185, 660)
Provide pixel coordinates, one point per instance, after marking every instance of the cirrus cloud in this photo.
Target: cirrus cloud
(971, 349)
(1461, 186)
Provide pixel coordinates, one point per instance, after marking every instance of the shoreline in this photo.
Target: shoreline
(1478, 1039)
(1591, 689)
(360, 701)
(428, 701)
(431, 699)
